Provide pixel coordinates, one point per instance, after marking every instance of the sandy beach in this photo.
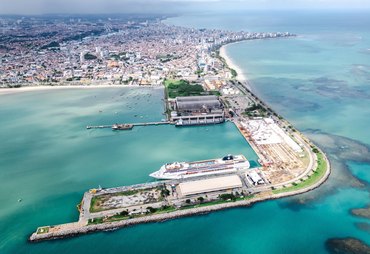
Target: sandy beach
(4, 91)
(241, 75)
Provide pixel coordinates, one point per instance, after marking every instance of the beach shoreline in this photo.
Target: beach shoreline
(231, 64)
(4, 91)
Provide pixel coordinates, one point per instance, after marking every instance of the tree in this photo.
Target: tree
(89, 56)
(201, 199)
(227, 196)
(124, 213)
(165, 192)
(164, 207)
(187, 201)
(151, 209)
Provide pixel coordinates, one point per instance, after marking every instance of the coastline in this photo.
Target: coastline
(22, 89)
(241, 76)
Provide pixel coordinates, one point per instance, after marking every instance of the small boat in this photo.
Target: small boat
(20, 200)
(118, 127)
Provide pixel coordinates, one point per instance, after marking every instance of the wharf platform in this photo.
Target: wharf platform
(133, 124)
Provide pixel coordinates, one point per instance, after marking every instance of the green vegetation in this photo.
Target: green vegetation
(127, 193)
(78, 206)
(43, 230)
(96, 201)
(116, 217)
(181, 87)
(175, 88)
(165, 192)
(233, 73)
(315, 150)
(166, 58)
(217, 202)
(315, 177)
(95, 221)
(52, 44)
(228, 196)
(201, 199)
(124, 215)
(151, 209)
(95, 204)
(89, 56)
(255, 110)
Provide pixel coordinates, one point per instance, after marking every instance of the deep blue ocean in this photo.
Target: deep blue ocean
(319, 81)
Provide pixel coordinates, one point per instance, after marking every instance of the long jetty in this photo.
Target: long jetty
(133, 124)
(81, 227)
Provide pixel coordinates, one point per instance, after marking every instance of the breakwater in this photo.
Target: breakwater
(85, 229)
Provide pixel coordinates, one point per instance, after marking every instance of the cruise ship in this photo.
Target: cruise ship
(180, 170)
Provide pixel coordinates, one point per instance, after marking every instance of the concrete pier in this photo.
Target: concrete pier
(134, 124)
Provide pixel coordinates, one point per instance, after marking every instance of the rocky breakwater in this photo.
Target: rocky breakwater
(84, 229)
(69, 232)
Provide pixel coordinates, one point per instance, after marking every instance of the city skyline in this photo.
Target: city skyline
(36, 7)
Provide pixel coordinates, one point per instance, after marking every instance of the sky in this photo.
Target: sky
(166, 6)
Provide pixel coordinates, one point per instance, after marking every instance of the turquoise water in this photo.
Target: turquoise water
(49, 159)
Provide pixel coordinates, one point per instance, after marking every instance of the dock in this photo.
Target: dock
(133, 124)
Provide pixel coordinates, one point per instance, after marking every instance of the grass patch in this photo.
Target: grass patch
(95, 221)
(216, 202)
(43, 230)
(315, 177)
(163, 209)
(119, 217)
(95, 204)
(96, 201)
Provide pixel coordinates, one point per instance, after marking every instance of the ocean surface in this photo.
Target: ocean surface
(320, 81)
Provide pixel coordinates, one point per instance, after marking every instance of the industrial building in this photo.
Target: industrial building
(209, 185)
(254, 177)
(197, 110)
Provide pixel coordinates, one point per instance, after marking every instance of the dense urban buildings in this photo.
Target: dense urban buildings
(110, 50)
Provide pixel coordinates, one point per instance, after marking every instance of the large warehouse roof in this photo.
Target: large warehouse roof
(198, 102)
(208, 185)
(197, 98)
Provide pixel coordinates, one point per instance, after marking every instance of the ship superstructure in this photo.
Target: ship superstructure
(179, 170)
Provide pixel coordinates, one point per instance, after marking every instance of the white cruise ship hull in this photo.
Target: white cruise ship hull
(213, 167)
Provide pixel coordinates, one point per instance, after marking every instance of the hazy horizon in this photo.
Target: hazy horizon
(37, 7)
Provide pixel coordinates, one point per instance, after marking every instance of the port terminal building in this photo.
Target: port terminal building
(197, 110)
(209, 185)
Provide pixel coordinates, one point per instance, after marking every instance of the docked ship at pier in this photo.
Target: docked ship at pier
(180, 170)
